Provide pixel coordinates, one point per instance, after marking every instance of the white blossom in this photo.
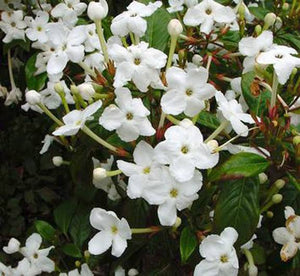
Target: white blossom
(37, 27)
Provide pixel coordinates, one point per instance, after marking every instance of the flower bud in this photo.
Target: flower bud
(33, 97)
(197, 60)
(12, 247)
(263, 178)
(270, 214)
(279, 183)
(133, 272)
(296, 140)
(175, 28)
(59, 88)
(57, 161)
(87, 254)
(285, 6)
(77, 263)
(278, 23)
(252, 270)
(258, 30)
(99, 174)
(177, 223)
(269, 20)
(277, 198)
(86, 90)
(97, 10)
(213, 144)
(295, 70)
(186, 123)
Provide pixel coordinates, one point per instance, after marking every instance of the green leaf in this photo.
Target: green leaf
(63, 215)
(188, 243)
(259, 12)
(33, 81)
(291, 39)
(242, 164)
(208, 119)
(157, 34)
(45, 230)
(256, 97)
(231, 39)
(238, 207)
(72, 250)
(80, 227)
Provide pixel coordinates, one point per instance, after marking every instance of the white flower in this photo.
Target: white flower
(86, 90)
(137, 63)
(12, 247)
(5, 270)
(129, 118)
(14, 96)
(75, 120)
(232, 111)
(85, 271)
(171, 195)
(175, 5)
(175, 27)
(132, 20)
(288, 236)
(206, 13)
(113, 232)
(46, 143)
(36, 256)
(282, 60)
(33, 97)
(92, 40)
(236, 86)
(97, 10)
(10, 5)
(295, 118)
(139, 173)
(252, 46)
(37, 27)
(220, 255)
(184, 150)
(13, 25)
(68, 11)
(186, 91)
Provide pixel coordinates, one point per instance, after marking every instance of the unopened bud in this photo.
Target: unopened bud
(175, 28)
(269, 20)
(97, 10)
(252, 270)
(294, 71)
(270, 214)
(133, 272)
(241, 11)
(99, 174)
(86, 254)
(258, 30)
(59, 88)
(86, 90)
(279, 183)
(12, 247)
(77, 263)
(296, 140)
(57, 161)
(278, 23)
(213, 144)
(177, 223)
(197, 60)
(263, 178)
(33, 97)
(277, 198)
(285, 6)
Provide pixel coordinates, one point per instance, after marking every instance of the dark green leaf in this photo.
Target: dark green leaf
(63, 215)
(33, 81)
(259, 12)
(292, 39)
(208, 119)
(188, 243)
(45, 230)
(238, 207)
(80, 227)
(255, 96)
(72, 250)
(157, 34)
(243, 164)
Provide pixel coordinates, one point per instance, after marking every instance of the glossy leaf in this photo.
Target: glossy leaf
(243, 164)
(208, 119)
(45, 230)
(63, 215)
(188, 243)
(72, 250)
(238, 207)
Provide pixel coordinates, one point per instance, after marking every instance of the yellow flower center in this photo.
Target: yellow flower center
(224, 259)
(174, 193)
(114, 229)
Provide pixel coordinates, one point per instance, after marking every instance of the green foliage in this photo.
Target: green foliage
(71, 250)
(188, 243)
(208, 119)
(238, 207)
(45, 230)
(240, 165)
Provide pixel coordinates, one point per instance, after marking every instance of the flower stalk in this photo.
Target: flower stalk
(102, 39)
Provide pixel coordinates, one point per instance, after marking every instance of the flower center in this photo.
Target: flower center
(13, 24)
(78, 123)
(35, 255)
(189, 92)
(146, 170)
(279, 56)
(129, 116)
(137, 61)
(224, 259)
(91, 33)
(114, 229)
(184, 149)
(70, 6)
(39, 28)
(174, 193)
(208, 11)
